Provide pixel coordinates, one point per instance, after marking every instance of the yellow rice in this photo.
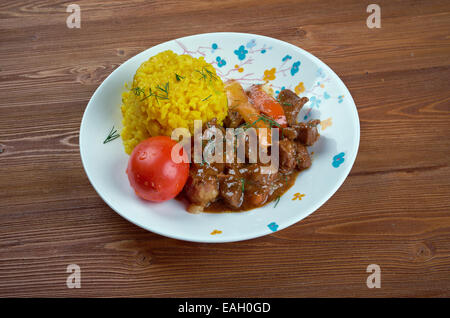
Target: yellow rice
(197, 93)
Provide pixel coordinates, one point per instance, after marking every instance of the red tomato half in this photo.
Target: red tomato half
(152, 172)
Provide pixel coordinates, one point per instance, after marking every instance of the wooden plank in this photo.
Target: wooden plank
(409, 241)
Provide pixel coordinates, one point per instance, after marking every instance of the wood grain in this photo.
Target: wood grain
(393, 210)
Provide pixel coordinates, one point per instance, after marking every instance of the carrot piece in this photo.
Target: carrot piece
(267, 104)
(238, 101)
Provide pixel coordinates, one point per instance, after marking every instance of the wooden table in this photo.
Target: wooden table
(393, 210)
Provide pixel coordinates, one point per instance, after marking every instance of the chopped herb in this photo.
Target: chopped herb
(206, 98)
(178, 77)
(111, 136)
(149, 94)
(286, 104)
(210, 74)
(269, 120)
(205, 73)
(202, 74)
(164, 90)
(261, 117)
(247, 125)
(243, 185)
(276, 201)
(138, 91)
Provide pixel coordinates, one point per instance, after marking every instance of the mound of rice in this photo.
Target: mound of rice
(170, 91)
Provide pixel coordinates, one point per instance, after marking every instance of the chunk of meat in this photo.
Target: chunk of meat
(212, 125)
(201, 191)
(258, 197)
(303, 158)
(205, 169)
(288, 153)
(307, 133)
(233, 120)
(292, 104)
(259, 185)
(256, 177)
(195, 209)
(231, 187)
(290, 133)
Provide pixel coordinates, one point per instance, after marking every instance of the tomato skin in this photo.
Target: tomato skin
(152, 172)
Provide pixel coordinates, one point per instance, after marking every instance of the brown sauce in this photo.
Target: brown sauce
(285, 182)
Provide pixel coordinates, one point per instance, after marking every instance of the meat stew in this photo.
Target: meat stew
(240, 186)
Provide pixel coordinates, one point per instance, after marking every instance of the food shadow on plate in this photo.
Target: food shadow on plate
(325, 145)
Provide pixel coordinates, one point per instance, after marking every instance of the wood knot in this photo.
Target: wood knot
(300, 33)
(144, 259)
(423, 252)
(91, 75)
(120, 52)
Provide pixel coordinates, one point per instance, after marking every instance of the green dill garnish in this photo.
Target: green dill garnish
(111, 136)
(164, 95)
(210, 74)
(276, 201)
(205, 73)
(202, 74)
(150, 94)
(286, 104)
(269, 120)
(206, 98)
(261, 117)
(243, 184)
(165, 90)
(178, 77)
(138, 91)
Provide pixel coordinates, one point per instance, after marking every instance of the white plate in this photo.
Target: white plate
(251, 59)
